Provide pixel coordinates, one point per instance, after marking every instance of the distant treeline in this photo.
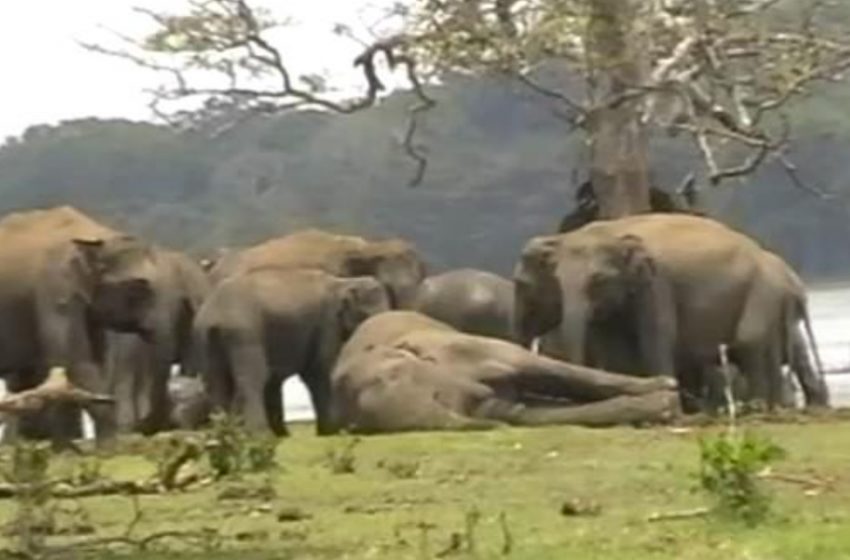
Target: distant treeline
(500, 171)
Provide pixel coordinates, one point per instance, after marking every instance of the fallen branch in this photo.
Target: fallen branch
(810, 483)
(56, 388)
(682, 514)
(62, 489)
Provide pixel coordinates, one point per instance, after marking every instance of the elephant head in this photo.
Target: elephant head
(122, 272)
(395, 264)
(537, 293)
(359, 298)
(576, 280)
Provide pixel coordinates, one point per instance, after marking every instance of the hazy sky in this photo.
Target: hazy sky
(48, 77)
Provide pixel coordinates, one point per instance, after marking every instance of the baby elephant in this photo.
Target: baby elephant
(404, 371)
(260, 327)
(472, 301)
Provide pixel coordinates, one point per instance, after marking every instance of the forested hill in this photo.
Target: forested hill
(499, 172)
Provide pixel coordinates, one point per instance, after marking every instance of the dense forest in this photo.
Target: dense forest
(501, 169)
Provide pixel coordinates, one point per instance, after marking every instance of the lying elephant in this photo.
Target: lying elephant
(393, 262)
(404, 371)
(472, 301)
(260, 327)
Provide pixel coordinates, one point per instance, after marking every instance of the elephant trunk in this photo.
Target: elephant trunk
(525, 329)
(573, 331)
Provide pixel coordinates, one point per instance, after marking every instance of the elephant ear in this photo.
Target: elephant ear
(652, 297)
(358, 299)
(635, 260)
(538, 256)
(91, 251)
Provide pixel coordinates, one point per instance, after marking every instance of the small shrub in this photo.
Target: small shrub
(260, 453)
(225, 446)
(729, 467)
(232, 451)
(342, 460)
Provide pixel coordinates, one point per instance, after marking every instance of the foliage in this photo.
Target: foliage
(232, 451)
(718, 73)
(499, 174)
(34, 516)
(729, 468)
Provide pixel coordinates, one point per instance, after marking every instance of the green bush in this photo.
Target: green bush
(231, 450)
(729, 468)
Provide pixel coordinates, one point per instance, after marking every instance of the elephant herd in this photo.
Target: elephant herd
(619, 321)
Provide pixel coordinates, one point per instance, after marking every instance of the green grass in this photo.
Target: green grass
(410, 497)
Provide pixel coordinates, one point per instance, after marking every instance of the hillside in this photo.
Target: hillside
(500, 171)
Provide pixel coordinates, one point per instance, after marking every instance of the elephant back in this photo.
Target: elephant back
(28, 239)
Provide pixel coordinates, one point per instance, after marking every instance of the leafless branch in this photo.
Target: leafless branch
(578, 112)
(793, 173)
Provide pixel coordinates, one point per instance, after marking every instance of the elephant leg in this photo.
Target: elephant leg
(535, 374)
(318, 385)
(251, 371)
(154, 398)
(216, 372)
(124, 389)
(273, 395)
(761, 364)
(656, 407)
(89, 376)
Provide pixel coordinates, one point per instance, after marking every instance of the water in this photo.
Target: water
(830, 311)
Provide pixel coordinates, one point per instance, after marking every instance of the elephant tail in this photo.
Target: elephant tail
(807, 324)
(811, 379)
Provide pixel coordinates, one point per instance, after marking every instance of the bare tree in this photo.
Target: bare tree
(720, 72)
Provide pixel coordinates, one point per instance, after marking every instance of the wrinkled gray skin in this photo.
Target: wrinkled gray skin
(138, 368)
(395, 263)
(258, 328)
(471, 301)
(404, 371)
(669, 288)
(64, 281)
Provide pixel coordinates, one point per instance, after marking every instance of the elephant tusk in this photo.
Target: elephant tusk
(535, 345)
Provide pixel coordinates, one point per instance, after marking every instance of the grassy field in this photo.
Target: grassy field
(497, 494)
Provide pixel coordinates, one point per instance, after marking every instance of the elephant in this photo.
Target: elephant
(402, 371)
(674, 286)
(65, 280)
(262, 326)
(393, 262)
(472, 301)
(139, 369)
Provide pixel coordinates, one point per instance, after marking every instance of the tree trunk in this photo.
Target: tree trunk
(619, 170)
